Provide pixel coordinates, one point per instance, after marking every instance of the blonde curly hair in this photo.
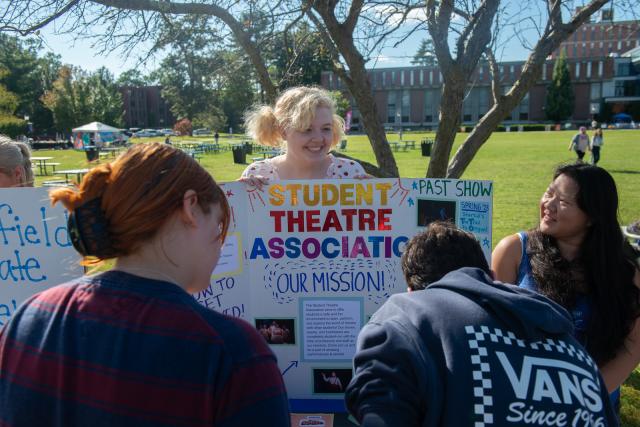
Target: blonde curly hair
(295, 108)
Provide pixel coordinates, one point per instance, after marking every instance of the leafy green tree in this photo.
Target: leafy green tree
(78, 97)
(342, 103)
(425, 55)
(204, 77)
(9, 124)
(237, 91)
(8, 100)
(213, 118)
(300, 57)
(560, 100)
(189, 74)
(132, 77)
(28, 76)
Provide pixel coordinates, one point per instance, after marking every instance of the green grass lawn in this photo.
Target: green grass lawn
(519, 164)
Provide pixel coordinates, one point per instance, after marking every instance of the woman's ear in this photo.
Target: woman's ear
(189, 206)
(18, 174)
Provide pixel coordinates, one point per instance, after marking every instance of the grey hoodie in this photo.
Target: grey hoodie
(468, 351)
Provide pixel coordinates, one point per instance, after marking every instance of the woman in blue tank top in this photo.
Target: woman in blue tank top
(575, 257)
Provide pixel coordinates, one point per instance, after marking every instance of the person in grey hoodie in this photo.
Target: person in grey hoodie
(462, 350)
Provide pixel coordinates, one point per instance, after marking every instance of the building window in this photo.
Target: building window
(577, 70)
(431, 105)
(411, 77)
(595, 91)
(393, 78)
(406, 106)
(431, 77)
(422, 77)
(544, 72)
(624, 69)
(331, 81)
(384, 78)
(391, 107)
(589, 69)
(600, 68)
(619, 44)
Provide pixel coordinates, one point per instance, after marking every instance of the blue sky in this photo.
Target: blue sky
(81, 53)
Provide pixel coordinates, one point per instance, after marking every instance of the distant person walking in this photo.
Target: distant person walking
(596, 143)
(216, 136)
(580, 143)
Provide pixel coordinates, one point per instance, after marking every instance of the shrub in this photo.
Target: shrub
(12, 126)
(183, 127)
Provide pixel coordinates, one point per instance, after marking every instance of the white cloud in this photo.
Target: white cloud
(382, 58)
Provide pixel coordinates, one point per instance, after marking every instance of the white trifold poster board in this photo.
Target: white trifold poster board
(306, 262)
(35, 250)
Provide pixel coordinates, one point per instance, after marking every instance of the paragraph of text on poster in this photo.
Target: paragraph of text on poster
(330, 328)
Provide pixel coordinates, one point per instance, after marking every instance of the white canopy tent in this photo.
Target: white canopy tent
(96, 127)
(96, 133)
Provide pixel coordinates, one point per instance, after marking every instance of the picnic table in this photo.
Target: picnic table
(396, 146)
(42, 164)
(271, 153)
(113, 151)
(409, 143)
(79, 173)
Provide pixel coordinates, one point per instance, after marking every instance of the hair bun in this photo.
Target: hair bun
(89, 231)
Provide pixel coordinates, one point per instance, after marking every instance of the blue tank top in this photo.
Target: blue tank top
(580, 312)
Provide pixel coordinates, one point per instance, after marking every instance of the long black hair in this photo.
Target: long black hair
(601, 272)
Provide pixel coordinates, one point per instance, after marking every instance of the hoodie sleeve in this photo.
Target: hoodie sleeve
(388, 387)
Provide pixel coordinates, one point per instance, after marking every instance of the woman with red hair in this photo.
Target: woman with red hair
(131, 346)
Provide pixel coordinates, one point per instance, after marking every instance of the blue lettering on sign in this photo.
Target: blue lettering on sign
(212, 297)
(20, 265)
(18, 270)
(474, 206)
(473, 188)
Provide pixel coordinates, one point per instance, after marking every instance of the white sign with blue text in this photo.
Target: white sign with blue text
(35, 250)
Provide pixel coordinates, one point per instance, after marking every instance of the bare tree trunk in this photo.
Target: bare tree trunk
(450, 108)
(478, 136)
(555, 32)
(360, 88)
(241, 36)
(357, 80)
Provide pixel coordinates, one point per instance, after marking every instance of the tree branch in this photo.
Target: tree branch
(46, 21)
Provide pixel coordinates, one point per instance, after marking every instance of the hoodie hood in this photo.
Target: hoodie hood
(529, 315)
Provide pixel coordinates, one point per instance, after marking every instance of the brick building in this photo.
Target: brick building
(144, 107)
(604, 80)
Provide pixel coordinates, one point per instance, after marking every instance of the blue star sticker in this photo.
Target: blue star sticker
(414, 185)
(485, 242)
(410, 201)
